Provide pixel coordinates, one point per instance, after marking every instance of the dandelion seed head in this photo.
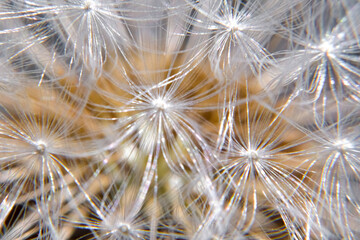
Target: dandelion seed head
(117, 228)
(164, 107)
(160, 104)
(88, 5)
(40, 147)
(252, 155)
(233, 25)
(326, 46)
(124, 229)
(342, 144)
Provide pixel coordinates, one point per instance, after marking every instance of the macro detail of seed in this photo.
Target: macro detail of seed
(179, 119)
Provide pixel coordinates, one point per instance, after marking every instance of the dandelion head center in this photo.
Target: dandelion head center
(326, 47)
(124, 229)
(88, 5)
(342, 144)
(252, 155)
(40, 147)
(233, 25)
(160, 104)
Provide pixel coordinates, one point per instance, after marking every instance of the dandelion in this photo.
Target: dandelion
(338, 163)
(79, 33)
(324, 65)
(118, 215)
(159, 112)
(239, 33)
(259, 160)
(36, 154)
(179, 119)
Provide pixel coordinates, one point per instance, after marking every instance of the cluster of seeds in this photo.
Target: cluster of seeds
(179, 119)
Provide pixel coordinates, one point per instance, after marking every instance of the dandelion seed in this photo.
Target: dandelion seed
(239, 33)
(120, 213)
(258, 162)
(326, 47)
(158, 112)
(35, 158)
(338, 163)
(79, 34)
